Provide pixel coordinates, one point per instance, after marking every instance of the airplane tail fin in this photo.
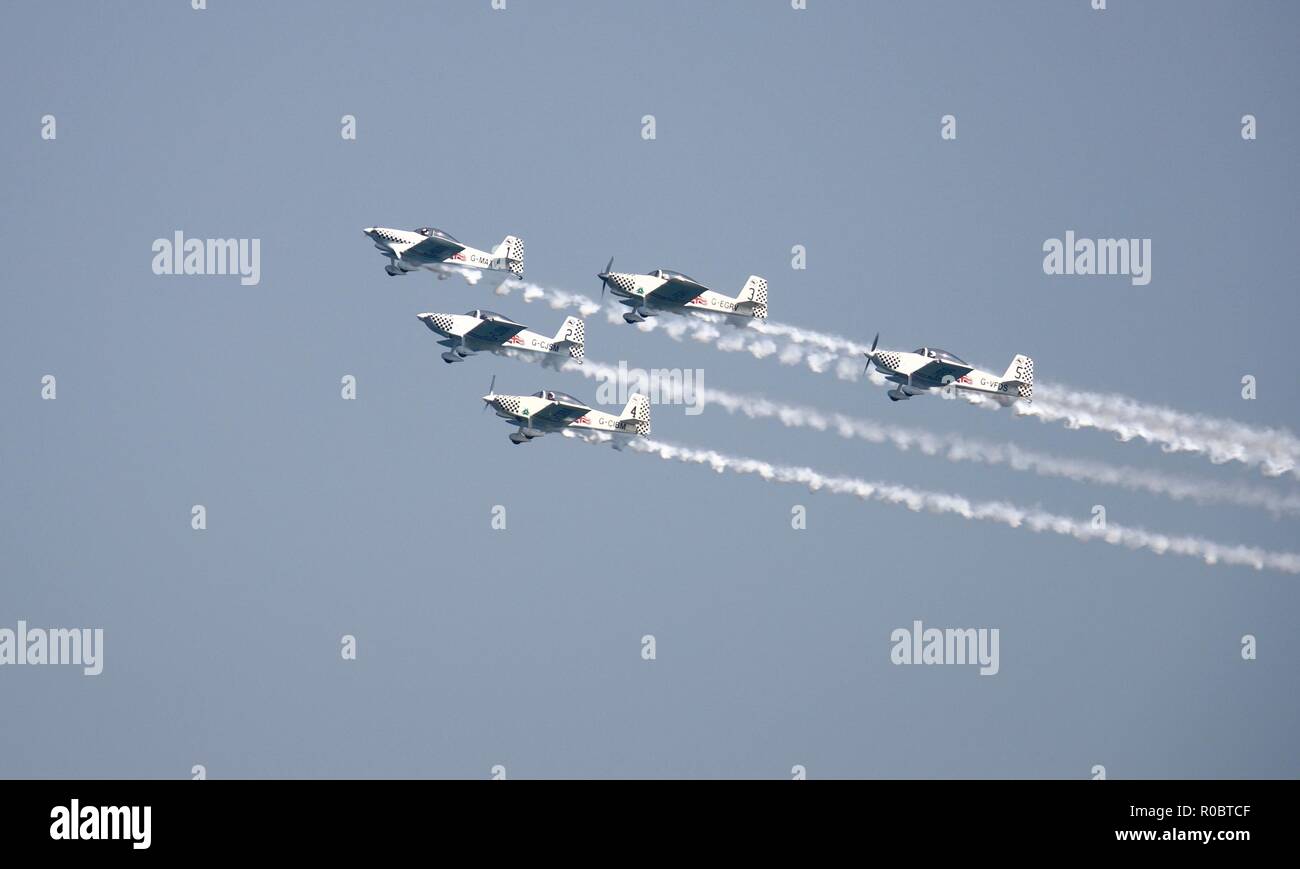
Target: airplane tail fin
(636, 416)
(572, 337)
(1021, 373)
(752, 300)
(509, 254)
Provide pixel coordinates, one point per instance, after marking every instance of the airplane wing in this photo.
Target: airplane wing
(937, 370)
(435, 248)
(675, 292)
(558, 414)
(495, 331)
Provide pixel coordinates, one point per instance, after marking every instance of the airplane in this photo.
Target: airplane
(480, 329)
(668, 290)
(931, 368)
(549, 411)
(433, 249)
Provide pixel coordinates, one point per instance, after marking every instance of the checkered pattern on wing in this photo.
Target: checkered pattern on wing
(442, 322)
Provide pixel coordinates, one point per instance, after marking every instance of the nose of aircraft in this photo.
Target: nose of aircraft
(369, 230)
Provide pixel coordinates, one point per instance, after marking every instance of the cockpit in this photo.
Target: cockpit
(432, 232)
(485, 314)
(562, 397)
(941, 355)
(670, 275)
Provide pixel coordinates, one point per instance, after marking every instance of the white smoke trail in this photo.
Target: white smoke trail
(557, 299)
(1223, 440)
(471, 276)
(1274, 451)
(956, 448)
(1001, 512)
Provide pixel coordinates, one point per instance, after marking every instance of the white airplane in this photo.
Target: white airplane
(480, 329)
(433, 249)
(549, 411)
(930, 368)
(667, 290)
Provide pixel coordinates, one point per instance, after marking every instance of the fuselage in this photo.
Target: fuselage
(398, 244)
(455, 326)
(521, 409)
(641, 288)
(927, 369)
(974, 380)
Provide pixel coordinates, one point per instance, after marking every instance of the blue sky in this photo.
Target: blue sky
(521, 647)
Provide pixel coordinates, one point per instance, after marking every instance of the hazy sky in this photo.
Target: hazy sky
(522, 647)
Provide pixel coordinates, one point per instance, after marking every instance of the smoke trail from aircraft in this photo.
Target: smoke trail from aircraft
(1275, 452)
(469, 275)
(557, 299)
(956, 448)
(1031, 519)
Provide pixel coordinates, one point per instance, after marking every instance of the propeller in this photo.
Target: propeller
(871, 354)
(487, 399)
(604, 277)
